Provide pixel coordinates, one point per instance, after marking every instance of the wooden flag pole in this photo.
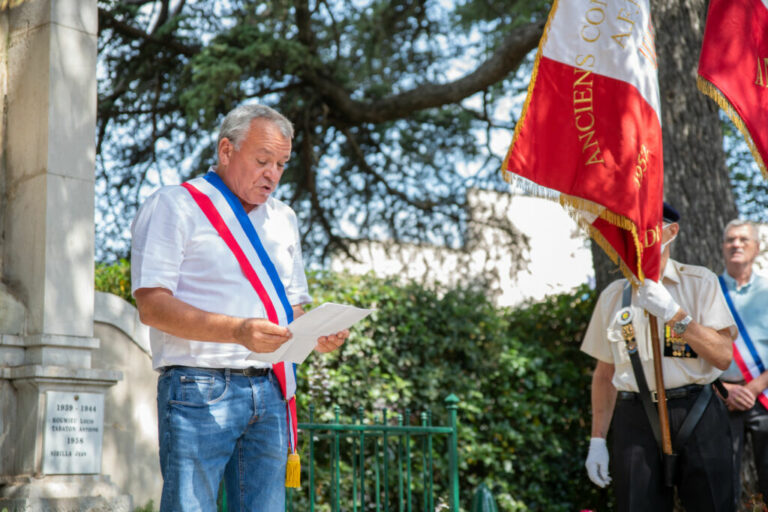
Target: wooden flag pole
(666, 438)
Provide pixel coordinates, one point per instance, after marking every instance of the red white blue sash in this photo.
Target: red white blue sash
(230, 220)
(744, 352)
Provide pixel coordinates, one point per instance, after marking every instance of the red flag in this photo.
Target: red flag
(590, 131)
(733, 68)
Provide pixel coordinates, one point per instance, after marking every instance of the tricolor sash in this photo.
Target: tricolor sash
(230, 220)
(744, 352)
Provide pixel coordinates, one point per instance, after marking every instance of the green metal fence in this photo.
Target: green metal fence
(384, 465)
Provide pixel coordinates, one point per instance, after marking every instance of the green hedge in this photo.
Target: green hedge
(115, 278)
(523, 384)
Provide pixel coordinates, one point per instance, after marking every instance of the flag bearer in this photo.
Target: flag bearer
(697, 334)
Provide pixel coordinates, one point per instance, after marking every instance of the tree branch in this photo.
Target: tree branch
(106, 20)
(504, 60)
(303, 23)
(422, 205)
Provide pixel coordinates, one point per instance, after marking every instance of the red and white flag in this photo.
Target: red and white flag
(733, 68)
(590, 131)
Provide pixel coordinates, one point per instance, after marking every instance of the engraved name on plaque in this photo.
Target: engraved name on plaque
(74, 428)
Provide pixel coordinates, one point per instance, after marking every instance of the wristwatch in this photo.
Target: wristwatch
(679, 327)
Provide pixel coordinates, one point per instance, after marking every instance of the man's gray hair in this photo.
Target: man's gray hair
(237, 123)
(737, 223)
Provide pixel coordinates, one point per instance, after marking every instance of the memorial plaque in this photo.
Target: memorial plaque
(74, 428)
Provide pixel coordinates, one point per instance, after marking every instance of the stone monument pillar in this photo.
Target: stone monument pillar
(51, 399)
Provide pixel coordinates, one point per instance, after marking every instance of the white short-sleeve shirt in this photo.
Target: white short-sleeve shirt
(696, 290)
(174, 246)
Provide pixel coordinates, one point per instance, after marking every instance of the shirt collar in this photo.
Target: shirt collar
(671, 272)
(732, 285)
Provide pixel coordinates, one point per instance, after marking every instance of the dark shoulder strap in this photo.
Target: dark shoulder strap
(694, 415)
(637, 368)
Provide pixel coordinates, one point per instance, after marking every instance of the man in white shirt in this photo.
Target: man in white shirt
(217, 273)
(697, 331)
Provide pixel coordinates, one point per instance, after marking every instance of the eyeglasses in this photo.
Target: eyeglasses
(741, 239)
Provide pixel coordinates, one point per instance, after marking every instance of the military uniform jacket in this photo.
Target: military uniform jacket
(697, 292)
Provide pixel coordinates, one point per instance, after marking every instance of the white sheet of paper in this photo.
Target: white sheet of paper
(328, 318)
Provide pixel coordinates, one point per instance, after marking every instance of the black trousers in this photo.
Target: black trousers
(704, 475)
(755, 423)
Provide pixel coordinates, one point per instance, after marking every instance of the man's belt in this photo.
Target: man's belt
(703, 393)
(672, 394)
(251, 371)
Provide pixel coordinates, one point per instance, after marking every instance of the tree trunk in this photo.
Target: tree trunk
(606, 271)
(696, 179)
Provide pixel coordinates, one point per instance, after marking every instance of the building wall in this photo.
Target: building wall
(130, 449)
(518, 247)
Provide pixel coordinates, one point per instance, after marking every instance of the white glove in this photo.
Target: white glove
(655, 299)
(597, 462)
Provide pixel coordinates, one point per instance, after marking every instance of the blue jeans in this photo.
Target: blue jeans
(214, 425)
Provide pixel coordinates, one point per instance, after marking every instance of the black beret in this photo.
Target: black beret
(670, 214)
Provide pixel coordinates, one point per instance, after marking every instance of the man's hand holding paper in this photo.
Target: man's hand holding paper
(331, 342)
(261, 335)
(322, 329)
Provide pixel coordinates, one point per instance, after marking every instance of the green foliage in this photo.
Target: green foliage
(148, 507)
(522, 381)
(115, 278)
(501, 12)
(377, 141)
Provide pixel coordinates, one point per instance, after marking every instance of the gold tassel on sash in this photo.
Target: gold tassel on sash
(293, 471)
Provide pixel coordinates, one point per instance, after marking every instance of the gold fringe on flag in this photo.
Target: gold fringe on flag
(713, 92)
(576, 207)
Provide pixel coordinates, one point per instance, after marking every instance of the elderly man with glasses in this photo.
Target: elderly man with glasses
(747, 379)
